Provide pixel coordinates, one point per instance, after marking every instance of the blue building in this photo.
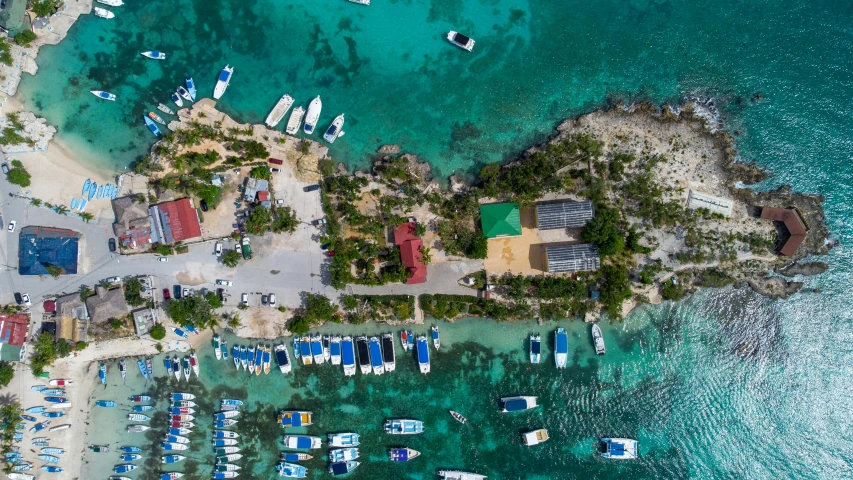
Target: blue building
(43, 247)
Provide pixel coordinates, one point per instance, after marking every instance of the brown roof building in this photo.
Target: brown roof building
(72, 318)
(132, 226)
(793, 224)
(106, 305)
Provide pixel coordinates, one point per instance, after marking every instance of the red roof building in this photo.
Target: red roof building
(410, 252)
(794, 225)
(179, 220)
(13, 336)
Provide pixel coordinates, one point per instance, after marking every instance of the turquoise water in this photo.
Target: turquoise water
(724, 385)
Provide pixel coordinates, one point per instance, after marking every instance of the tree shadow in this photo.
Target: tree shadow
(8, 399)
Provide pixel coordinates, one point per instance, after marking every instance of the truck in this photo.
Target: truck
(247, 249)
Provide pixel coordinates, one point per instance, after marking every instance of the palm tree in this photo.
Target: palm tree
(87, 217)
(36, 202)
(62, 209)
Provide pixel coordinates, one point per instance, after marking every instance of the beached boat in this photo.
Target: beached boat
(517, 404)
(343, 454)
(103, 12)
(60, 427)
(53, 451)
(259, 359)
(223, 81)
(49, 458)
(327, 348)
(152, 126)
(295, 120)
(138, 417)
(137, 428)
(342, 468)
(20, 476)
(363, 354)
(51, 469)
(194, 363)
(231, 457)
(294, 418)
(176, 367)
(53, 392)
(317, 349)
(165, 109)
(291, 470)
(302, 442)
(181, 396)
(28, 418)
(305, 351)
(155, 55)
(458, 416)
(347, 439)
(335, 130)
(402, 454)
(282, 358)
(143, 408)
(100, 193)
(534, 437)
(436, 341)
(224, 442)
(376, 361)
(140, 398)
(191, 87)
(598, 339)
(535, 348)
(149, 368)
(267, 359)
(459, 475)
(176, 99)
(179, 332)
(423, 354)
(403, 426)
(38, 388)
(172, 458)
(174, 446)
(93, 190)
(40, 426)
(388, 355)
(235, 353)
(105, 403)
(348, 356)
(185, 94)
(82, 205)
(461, 41)
(225, 434)
(216, 350)
(156, 118)
(190, 328)
(561, 347)
(38, 409)
(295, 457)
(142, 368)
(277, 113)
(313, 114)
(335, 350)
(103, 95)
(122, 368)
(250, 357)
(130, 457)
(244, 357)
(86, 185)
(99, 448)
(618, 448)
(102, 374)
(223, 349)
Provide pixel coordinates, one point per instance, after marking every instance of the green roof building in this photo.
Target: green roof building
(500, 220)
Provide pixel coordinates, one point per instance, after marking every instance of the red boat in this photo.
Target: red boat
(405, 339)
(140, 398)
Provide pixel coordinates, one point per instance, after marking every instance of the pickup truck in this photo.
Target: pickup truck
(247, 249)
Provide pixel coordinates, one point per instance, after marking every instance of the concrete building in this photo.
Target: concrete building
(106, 305)
(13, 336)
(253, 186)
(563, 214)
(143, 320)
(697, 200)
(571, 258)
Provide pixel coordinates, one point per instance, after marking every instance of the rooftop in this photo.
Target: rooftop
(176, 221)
(106, 305)
(13, 328)
(794, 225)
(697, 199)
(563, 214)
(500, 220)
(132, 225)
(41, 247)
(410, 252)
(571, 258)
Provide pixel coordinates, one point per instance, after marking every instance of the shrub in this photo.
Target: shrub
(25, 38)
(231, 258)
(299, 325)
(158, 332)
(672, 291)
(7, 373)
(19, 176)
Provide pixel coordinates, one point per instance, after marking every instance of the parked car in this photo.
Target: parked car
(5, 167)
(227, 283)
(221, 294)
(276, 161)
(113, 279)
(264, 299)
(318, 222)
(26, 298)
(203, 206)
(12, 226)
(325, 246)
(311, 188)
(177, 289)
(112, 244)
(272, 300)
(18, 298)
(244, 299)
(330, 253)
(166, 295)
(163, 259)
(275, 170)
(185, 292)
(218, 249)
(237, 248)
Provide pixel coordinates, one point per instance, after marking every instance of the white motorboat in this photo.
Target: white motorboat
(518, 404)
(534, 437)
(598, 339)
(184, 93)
(312, 115)
(103, 95)
(177, 99)
(165, 109)
(277, 113)
(112, 3)
(361, 2)
(535, 348)
(295, 120)
(223, 81)
(334, 131)
(618, 448)
(155, 55)
(561, 350)
(461, 41)
(459, 475)
(104, 13)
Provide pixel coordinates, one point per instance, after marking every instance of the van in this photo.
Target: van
(276, 161)
(244, 299)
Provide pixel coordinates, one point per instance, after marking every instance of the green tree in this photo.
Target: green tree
(261, 171)
(299, 325)
(158, 332)
(615, 289)
(350, 302)
(19, 176)
(133, 292)
(259, 220)
(44, 8)
(25, 38)
(87, 217)
(605, 232)
(231, 258)
(284, 220)
(162, 249)
(319, 307)
(7, 372)
(54, 271)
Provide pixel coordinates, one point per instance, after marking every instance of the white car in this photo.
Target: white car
(272, 300)
(163, 259)
(225, 282)
(113, 279)
(218, 250)
(12, 226)
(244, 299)
(185, 293)
(237, 248)
(26, 298)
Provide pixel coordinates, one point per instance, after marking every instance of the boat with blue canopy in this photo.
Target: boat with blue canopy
(342, 468)
(402, 454)
(295, 457)
(517, 404)
(191, 87)
(535, 348)
(294, 418)
(561, 347)
(102, 373)
(346, 439)
(302, 442)
(283, 358)
(105, 403)
(618, 448)
(305, 351)
(317, 349)
(423, 354)
(348, 356)
(235, 352)
(376, 356)
(403, 426)
(343, 454)
(172, 458)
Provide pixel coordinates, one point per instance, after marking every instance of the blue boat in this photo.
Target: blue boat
(436, 341)
(93, 189)
(83, 205)
(294, 418)
(37, 409)
(561, 350)
(168, 363)
(296, 347)
(172, 458)
(54, 392)
(305, 351)
(102, 374)
(402, 454)
(259, 358)
(291, 470)
(100, 193)
(142, 368)
(342, 468)
(61, 399)
(191, 329)
(223, 347)
(250, 357)
(376, 356)
(244, 357)
(143, 408)
(235, 352)
(73, 204)
(86, 186)
(37, 388)
(151, 125)
(224, 423)
(149, 368)
(130, 457)
(191, 87)
(404, 426)
(618, 448)
(518, 404)
(221, 475)
(423, 354)
(39, 427)
(130, 449)
(105, 403)
(231, 401)
(317, 349)
(52, 414)
(28, 418)
(18, 437)
(348, 356)
(114, 192)
(51, 469)
(124, 468)
(108, 190)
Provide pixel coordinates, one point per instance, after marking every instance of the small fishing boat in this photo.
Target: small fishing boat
(561, 350)
(137, 428)
(534, 437)
(518, 404)
(181, 396)
(172, 458)
(291, 470)
(176, 99)
(180, 424)
(124, 468)
(223, 475)
(142, 369)
(182, 418)
(56, 399)
(277, 113)
(176, 368)
(185, 362)
(404, 426)
(140, 398)
(112, 3)
(295, 121)
(224, 423)
(138, 417)
(191, 87)
(49, 458)
(38, 409)
(60, 382)
(314, 109)
(361, 2)
(105, 403)
(296, 347)
(335, 350)
(99, 448)
(179, 332)
(171, 476)
(82, 205)
(224, 442)
(250, 357)
(235, 352)
(376, 356)
(179, 431)
(317, 349)
(459, 418)
(176, 439)
(28, 418)
(51, 468)
(103, 95)
(53, 392)
(423, 354)
(347, 439)
(165, 109)
(295, 457)
(223, 349)
(225, 415)
(302, 442)
(343, 454)
(231, 457)
(461, 41)
(283, 358)
(598, 339)
(102, 374)
(190, 328)
(152, 126)
(305, 351)
(342, 468)
(335, 129)
(93, 190)
(348, 356)
(130, 457)
(154, 54)
(223, 81)
(167, 362)
(404, 339)
(216, 350)
(436, 342)
(63, 404)
(127, 449)
(459, 475)
(618, 448)
(156, 118)
(184, 93)
(38, 388)
(175, 447)
(363, 354)
(225, 451)
(231, 401)
(402, 454)
(225, 434)
(149, 368)
(20, 476)
(104, 13)
(60, 427)
(244, 357)
(182, 411)
(535, 348)
(327, 348)
(411, 339)
(122, 368)
(142, 408)
(40, 426)
(267, 359)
